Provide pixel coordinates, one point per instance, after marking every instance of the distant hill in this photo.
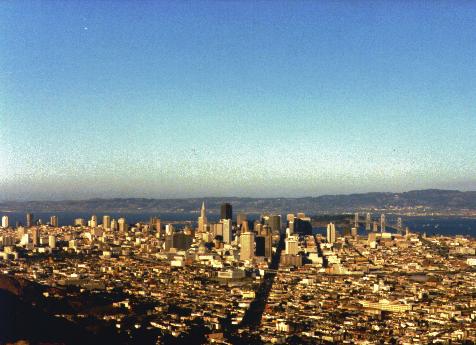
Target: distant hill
(434, 199)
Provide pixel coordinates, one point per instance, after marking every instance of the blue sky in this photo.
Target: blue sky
(244, 98)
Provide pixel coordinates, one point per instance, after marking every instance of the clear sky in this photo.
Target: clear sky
(244, 98)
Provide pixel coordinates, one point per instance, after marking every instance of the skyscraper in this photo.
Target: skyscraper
(331, 233)
(227, 231)
(247, 240)
(292, 245)
(29, 220)
(240, 218)
(52, 241)
(94, 221)
(106, 222)
(226, 211)
(399, 224)
(54, 221)
(368, 219)
(274, 221)
(356, 220)
(382, 222)
(5, 223)
(113, 224)
(36, 236)
(122, 225)
(202, 220)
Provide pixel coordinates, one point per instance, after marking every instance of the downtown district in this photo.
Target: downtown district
(271, 281)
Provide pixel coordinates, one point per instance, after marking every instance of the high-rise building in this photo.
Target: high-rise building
(94, 221)
(226, 211)
(122, 225)
(368, 220)
(106, 222)
(274, 221)
(227, 231)
(382, 222)
(240, 218)
(114, 225)
(356, 220)
(54, 221)
(202, 220)
(292, 245)
(260, 246)
(247, 240)
(35, 234)
(80, 222)
(331, 233)
(29, 220)
(52, 241)
(5, 223)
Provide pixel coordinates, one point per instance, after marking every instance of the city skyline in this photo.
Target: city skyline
(166, 100)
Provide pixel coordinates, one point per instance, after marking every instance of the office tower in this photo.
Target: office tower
(122, 225)
(114, 225)
(240, 218)
(292, 245)
(290, 217)
(353, 232)
(94, 221)
(260, 249)
(106, 222)
(177, 240)
(356, 220)
(35, 234)
(202, 220)
(29, 220)
(375, 226)
(226, 211)
(382, 222)
(247, 240)
(169, 229)
(5, 222)
(227, 231)
(52, 241)
(54, 221)
(257, 227)
(302, 226)
(331, 233)
(368, 219)
(80, 222)
(274, 221)
(399, 223)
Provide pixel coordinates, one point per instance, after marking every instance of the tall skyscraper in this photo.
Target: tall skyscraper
(331, 233)
(202, 220)
(5, 223)
(368, 220)
(274, 221)
(36, 236)
(122, 225)
(292, 245)
(106, 222)
(94, 221)
(226, 211)
(52, 241)
(240, 218)
(227, 231)
(356, 220)
(382, 222)
(114, 225)
(29, 220)
(247, 240)
(54, 221)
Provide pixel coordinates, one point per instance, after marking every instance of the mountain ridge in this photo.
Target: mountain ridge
(433, 199)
